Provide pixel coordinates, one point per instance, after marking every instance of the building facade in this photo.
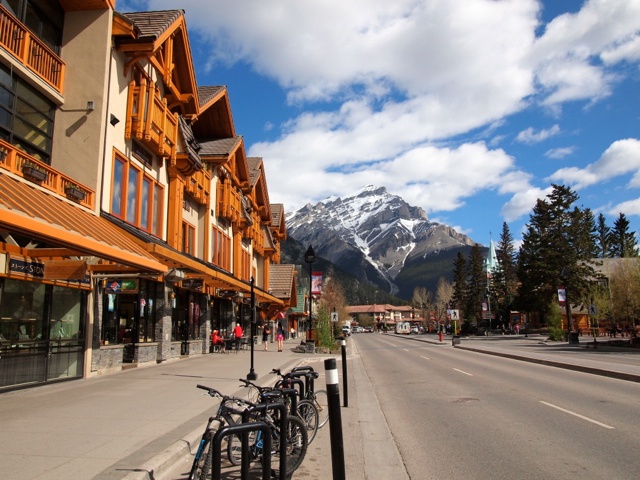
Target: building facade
(132, 222)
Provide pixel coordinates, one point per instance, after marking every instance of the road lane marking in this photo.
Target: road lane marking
(577, 415)
(462, 371)
(392, 344)
(426, 358)
(405, 350)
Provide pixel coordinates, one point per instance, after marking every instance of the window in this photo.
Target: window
(136, 197)
(44, 18)
(188, 238)
(26, 117)
(220, 249)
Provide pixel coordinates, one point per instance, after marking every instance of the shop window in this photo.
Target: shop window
(130, 317)
(136, 197)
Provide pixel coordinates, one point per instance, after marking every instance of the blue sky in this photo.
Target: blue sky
(469, 109)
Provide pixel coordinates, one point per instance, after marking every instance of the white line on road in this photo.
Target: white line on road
(426, 358)
(576, 415)
(392, 344)
(462, 371)
(405, 350)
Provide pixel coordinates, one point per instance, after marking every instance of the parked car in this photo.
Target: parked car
(346, 331)
(368, 329)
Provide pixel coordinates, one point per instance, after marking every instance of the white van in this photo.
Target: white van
(346, 330)
(403, 327)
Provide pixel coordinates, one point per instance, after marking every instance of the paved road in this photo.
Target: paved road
(457, 414)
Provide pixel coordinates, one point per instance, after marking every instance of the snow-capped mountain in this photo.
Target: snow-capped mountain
(377, 237)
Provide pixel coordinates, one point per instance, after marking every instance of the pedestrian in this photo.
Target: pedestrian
(238, 334)
(280, 334)
(517, 329)
(265, 337)
(216, 340)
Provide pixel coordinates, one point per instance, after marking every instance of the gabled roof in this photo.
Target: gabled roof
(161, 38)
(223, 147)
(278, 224)
(215, 120)
(282, 282)
(258, 186)
(190, 145)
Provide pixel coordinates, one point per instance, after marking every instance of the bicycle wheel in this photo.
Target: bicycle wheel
(297, 443)
(234, 448)
(321, 401)
(201, 468)
(253, 395)
(308, 412)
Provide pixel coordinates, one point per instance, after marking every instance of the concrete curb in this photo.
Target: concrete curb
(551, 363)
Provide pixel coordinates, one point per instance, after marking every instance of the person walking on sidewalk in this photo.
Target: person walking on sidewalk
(280, 333)
(265, 337)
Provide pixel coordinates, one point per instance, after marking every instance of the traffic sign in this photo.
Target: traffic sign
(334, 316)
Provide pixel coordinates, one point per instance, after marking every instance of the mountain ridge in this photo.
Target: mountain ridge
(378, 237)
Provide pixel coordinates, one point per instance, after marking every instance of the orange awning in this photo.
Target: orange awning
(31, 211)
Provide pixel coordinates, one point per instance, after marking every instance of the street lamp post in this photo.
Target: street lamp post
(252, 375)
(310, 258)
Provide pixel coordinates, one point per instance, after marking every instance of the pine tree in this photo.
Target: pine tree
(459, 282)
(504, 278)
(556, 250)
(623, 242)
(476, 285)
(603, 237)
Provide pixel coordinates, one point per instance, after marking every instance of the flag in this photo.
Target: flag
(316, 283)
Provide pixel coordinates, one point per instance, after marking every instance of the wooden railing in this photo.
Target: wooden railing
(30, 50)
(229, 202)
(150, 121)
(199, 185)
(32, 169)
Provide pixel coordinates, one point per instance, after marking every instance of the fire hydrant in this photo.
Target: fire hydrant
(440, 335)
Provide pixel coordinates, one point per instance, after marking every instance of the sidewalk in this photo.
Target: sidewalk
(144, 422)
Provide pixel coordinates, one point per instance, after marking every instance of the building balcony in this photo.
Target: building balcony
(229, 202)
(198, 186)
(30, 51)
(150, 121)
(35, 171)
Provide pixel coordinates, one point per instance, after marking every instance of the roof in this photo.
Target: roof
(223, 146)
(153, 24)
(282, 281)
(208, 93)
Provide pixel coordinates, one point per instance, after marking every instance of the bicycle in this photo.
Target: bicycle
(318, 397)
(297, 439)
(305, 409)
(201, 467)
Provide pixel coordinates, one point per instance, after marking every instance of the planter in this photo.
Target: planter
(34, 173)
(75, 193)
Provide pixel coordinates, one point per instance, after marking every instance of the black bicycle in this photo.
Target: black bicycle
(227, 414)
(295, 432)
(318, 397)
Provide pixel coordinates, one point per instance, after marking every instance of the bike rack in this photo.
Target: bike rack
(282, 409)
(242, 429)
(293, 381)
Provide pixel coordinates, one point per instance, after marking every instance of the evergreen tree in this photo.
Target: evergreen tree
(504, 278)
(459, 282)
(603, 237)
(476, 284)
(623, 242)
(556, 250)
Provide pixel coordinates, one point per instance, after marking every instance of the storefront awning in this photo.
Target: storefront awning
(210, 276)
(29, 211)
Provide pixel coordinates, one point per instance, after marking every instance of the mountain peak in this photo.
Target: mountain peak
(372, 232)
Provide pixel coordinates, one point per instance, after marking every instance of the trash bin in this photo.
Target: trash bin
(455, 340)
(573, 338)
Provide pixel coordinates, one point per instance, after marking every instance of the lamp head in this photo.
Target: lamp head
(310, 255)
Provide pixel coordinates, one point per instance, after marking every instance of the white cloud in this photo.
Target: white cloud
(530, 136)
(557, 153)
(522, 202)
(621, 158)
(631, 207)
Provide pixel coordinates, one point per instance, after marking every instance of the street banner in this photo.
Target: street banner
(316, 283)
